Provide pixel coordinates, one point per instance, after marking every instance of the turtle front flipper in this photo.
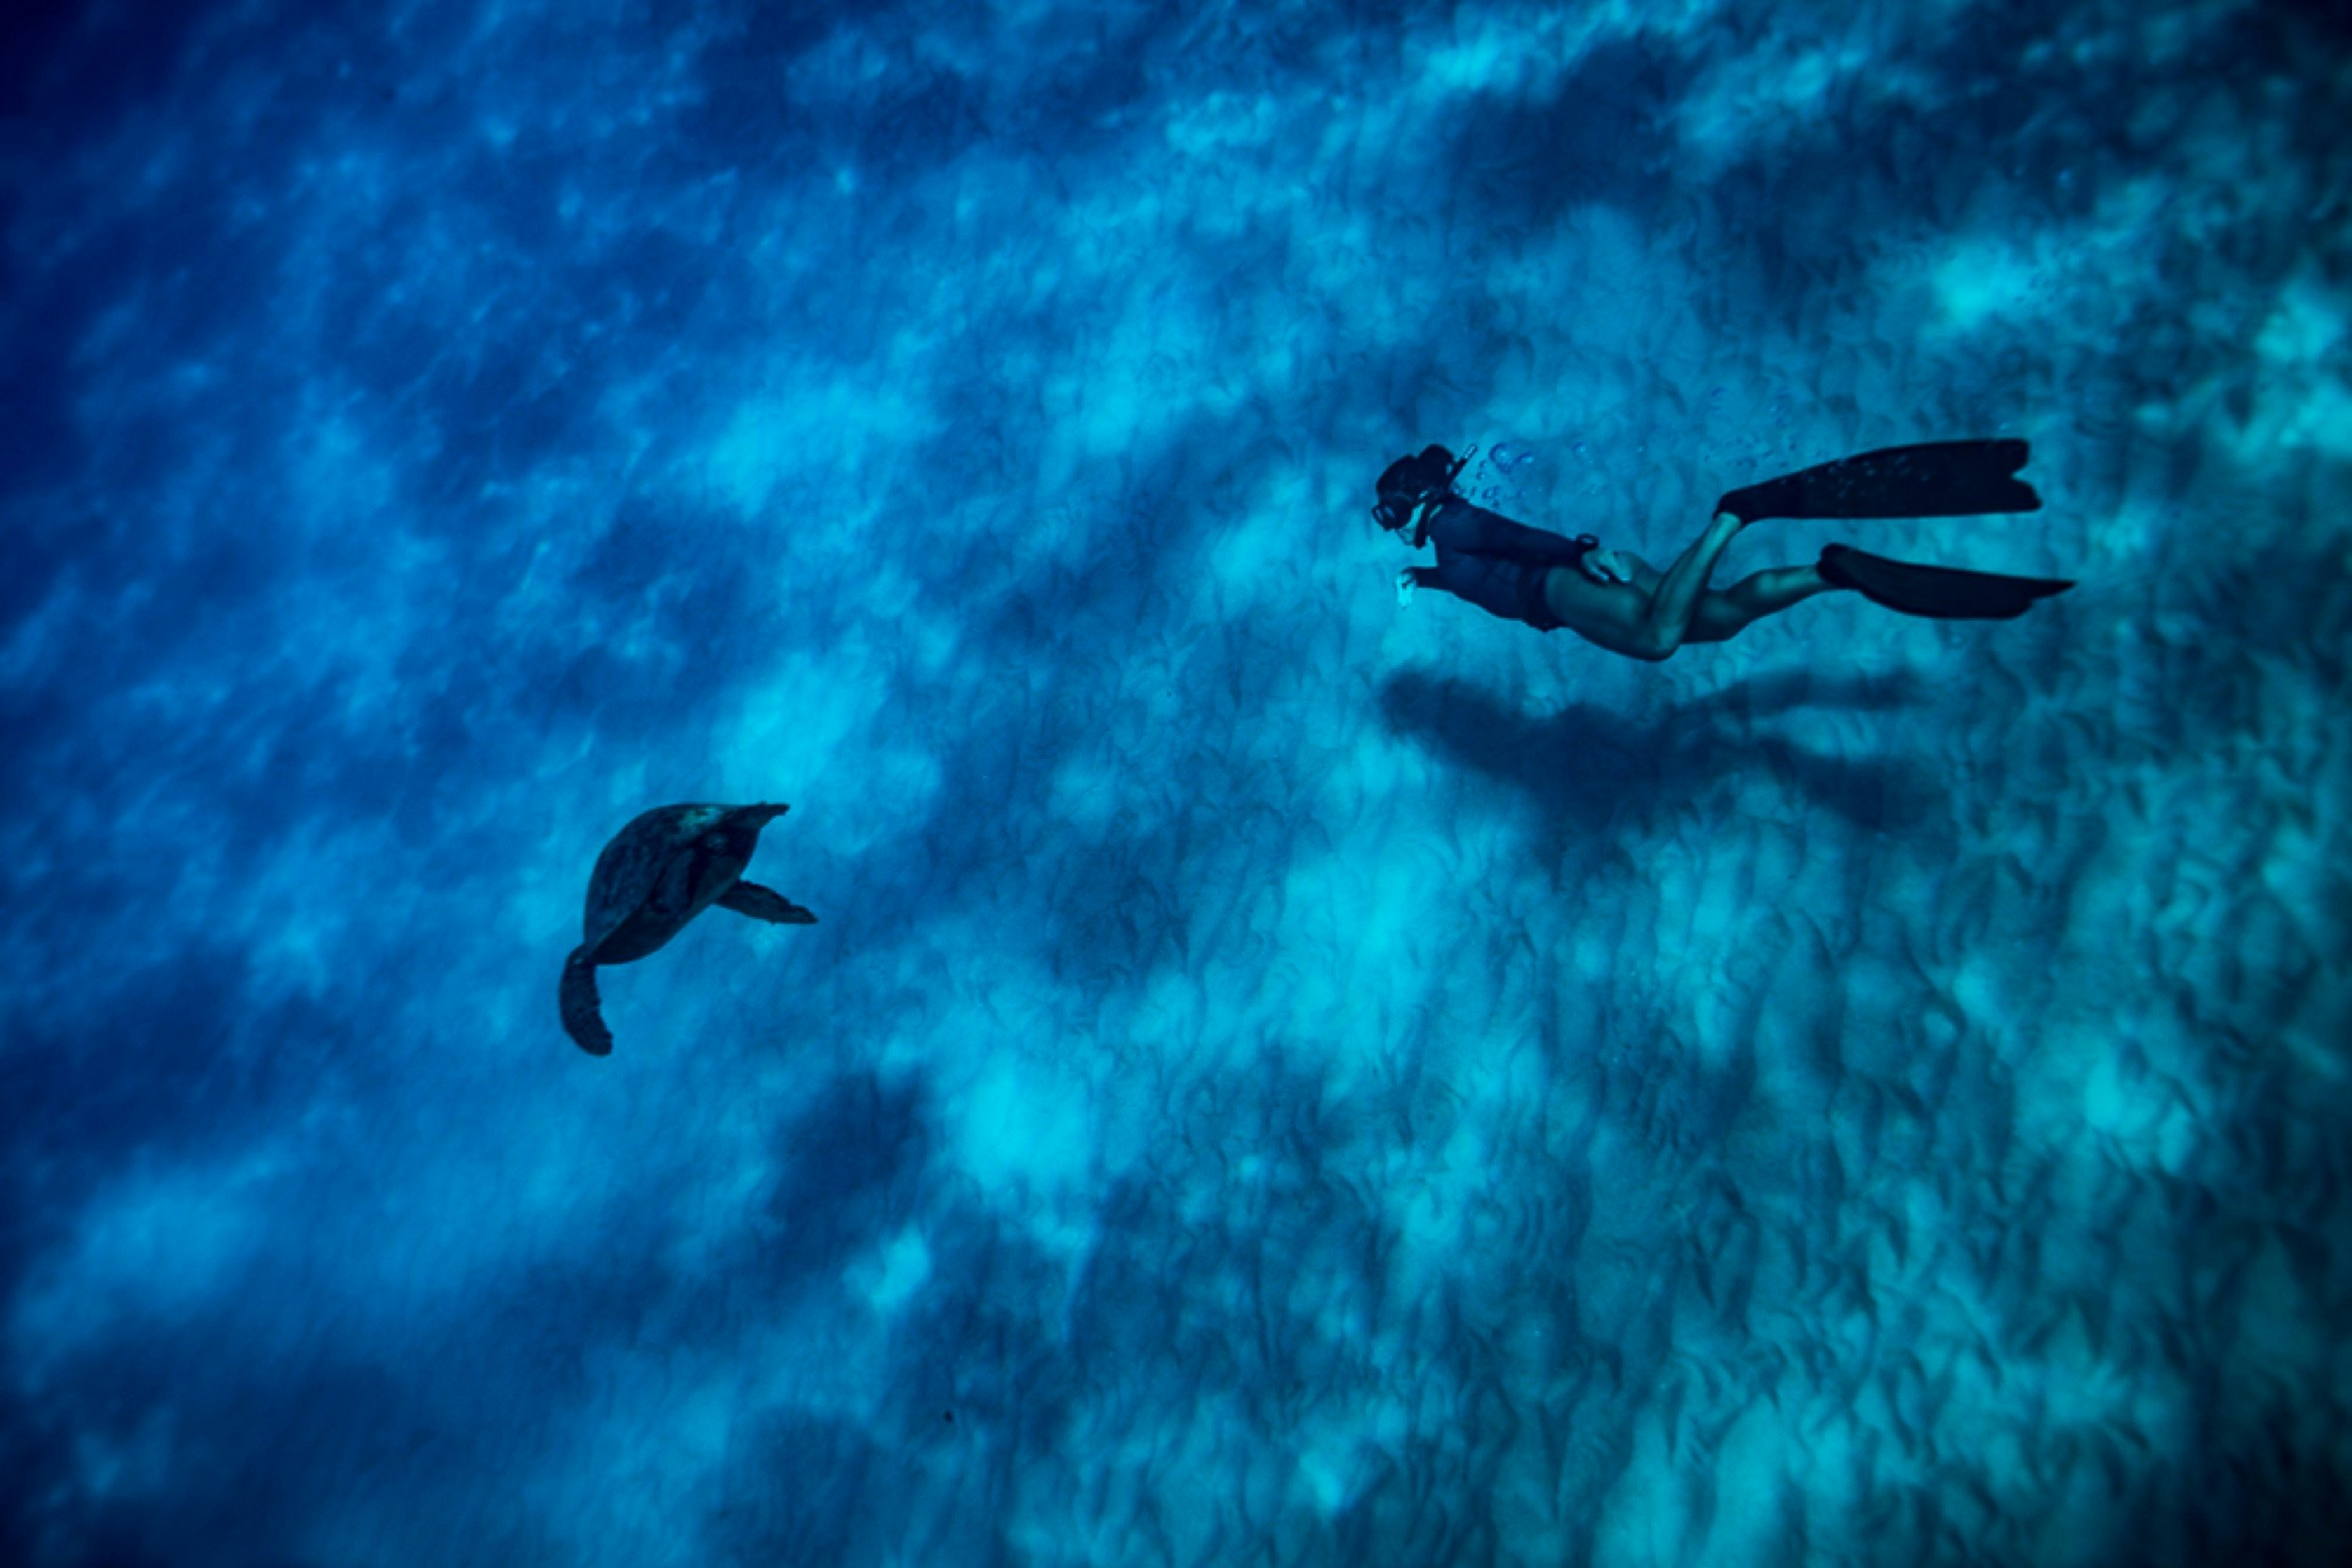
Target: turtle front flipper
(765, 903)
(582, 1017)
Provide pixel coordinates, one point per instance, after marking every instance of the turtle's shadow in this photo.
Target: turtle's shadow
(1586, 765)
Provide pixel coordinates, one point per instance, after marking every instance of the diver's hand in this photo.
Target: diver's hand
(1405, 583)
(1606, 566)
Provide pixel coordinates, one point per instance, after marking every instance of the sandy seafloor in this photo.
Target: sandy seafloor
(1282, 1077)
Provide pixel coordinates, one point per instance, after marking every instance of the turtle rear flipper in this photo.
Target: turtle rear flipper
(582, 1018)
(765, 903)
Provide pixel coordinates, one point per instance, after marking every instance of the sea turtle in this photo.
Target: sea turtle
(663, 869)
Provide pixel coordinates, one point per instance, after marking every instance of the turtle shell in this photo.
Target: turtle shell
(639, 871)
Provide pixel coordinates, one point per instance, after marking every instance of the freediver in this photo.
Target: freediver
(1616, 600)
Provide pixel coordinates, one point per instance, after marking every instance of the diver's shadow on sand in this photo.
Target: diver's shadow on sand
(1585, 766)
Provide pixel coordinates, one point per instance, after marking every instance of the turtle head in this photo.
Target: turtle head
(737, 829)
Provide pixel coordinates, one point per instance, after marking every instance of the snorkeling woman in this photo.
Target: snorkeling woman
(1616, 600)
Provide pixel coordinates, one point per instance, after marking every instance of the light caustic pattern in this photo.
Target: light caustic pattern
(1279, 1077)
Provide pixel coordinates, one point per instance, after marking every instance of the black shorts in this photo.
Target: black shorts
(1534, 609)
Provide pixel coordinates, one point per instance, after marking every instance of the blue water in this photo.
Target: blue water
(1282, 1077)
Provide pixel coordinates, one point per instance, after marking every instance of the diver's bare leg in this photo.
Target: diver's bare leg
(1724, 613)
(1667, 621)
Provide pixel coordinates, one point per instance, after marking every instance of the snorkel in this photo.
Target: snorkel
(1410, 484)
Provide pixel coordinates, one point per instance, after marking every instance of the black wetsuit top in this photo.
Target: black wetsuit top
(1495, 563)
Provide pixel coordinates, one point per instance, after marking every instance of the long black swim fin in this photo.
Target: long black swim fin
(1939, 593)
(1943, 479)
